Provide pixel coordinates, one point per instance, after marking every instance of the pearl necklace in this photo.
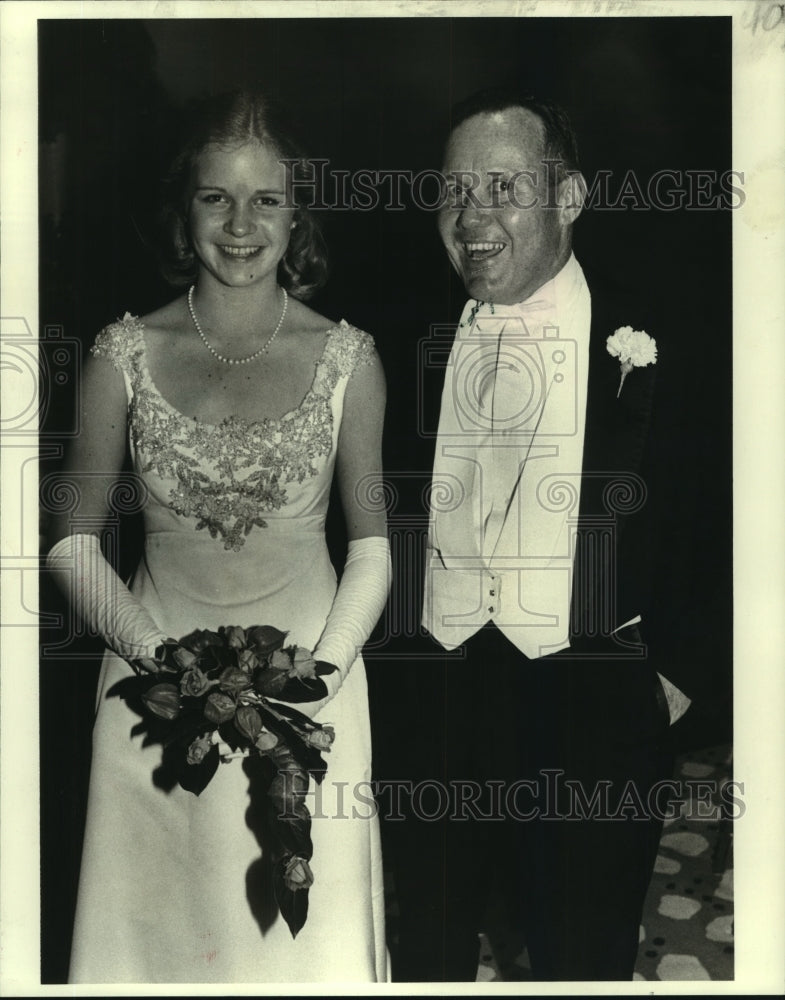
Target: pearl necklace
(234, 361)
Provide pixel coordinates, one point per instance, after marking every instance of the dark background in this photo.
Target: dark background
(645, 94)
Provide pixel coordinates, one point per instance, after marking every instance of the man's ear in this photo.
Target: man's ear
(571, 195)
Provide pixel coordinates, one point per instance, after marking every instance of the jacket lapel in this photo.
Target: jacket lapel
(616, 424)
(611, 486)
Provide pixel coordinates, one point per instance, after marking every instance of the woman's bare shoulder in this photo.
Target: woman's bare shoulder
(169, 319)
(306, 320)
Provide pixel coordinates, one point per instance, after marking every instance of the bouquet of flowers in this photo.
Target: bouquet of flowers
(216, 687)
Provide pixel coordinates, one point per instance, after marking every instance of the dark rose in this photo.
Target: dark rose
(248, 660)
(264, 639)
(217, 658)
(303, 663)
(234, 680)
(200, 639)
(321, 739)
(194, 682)
(297, 874)
(266, 741)
(183, 657)
(219, 708)
(164, 655)
(163, 700)
(234, 636)
(199, 749)
(270, 682)
(248, 722)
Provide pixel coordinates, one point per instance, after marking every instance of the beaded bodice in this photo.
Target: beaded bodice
(229, 477)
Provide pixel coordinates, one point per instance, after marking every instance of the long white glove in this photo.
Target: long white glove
(101, 599)
(357, 606)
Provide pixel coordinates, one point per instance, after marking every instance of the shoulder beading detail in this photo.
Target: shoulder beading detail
(121, 343)
(348, 349)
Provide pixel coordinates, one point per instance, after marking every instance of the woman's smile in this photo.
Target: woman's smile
(240, 194)
(240, 253)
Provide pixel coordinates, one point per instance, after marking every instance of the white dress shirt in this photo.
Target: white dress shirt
(507, 472)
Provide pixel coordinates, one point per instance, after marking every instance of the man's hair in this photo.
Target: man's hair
(560, 141)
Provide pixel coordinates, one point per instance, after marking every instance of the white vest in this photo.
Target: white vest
(511, 430)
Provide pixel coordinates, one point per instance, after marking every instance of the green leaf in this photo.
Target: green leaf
(200, 639)
(264, 639)
(300, 690)
(196, 777)
(268, 681)
(293, 905)
(305, 756)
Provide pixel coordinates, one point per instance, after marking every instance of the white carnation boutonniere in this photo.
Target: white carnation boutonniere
(633, 348)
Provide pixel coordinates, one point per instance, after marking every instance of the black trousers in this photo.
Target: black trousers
(541, 777)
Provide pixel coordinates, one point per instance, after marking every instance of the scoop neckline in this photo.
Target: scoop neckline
(233, 420)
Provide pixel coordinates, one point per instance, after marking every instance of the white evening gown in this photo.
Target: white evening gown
(234, 520)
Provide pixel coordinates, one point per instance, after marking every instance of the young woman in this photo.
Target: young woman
(239, 404)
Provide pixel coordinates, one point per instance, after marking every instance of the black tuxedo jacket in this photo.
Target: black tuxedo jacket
(666, 551)
(649, 539)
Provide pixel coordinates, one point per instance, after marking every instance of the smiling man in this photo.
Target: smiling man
(500, 160)
(539, 585)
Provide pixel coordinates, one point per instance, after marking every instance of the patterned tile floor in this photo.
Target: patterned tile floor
(687, 929)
